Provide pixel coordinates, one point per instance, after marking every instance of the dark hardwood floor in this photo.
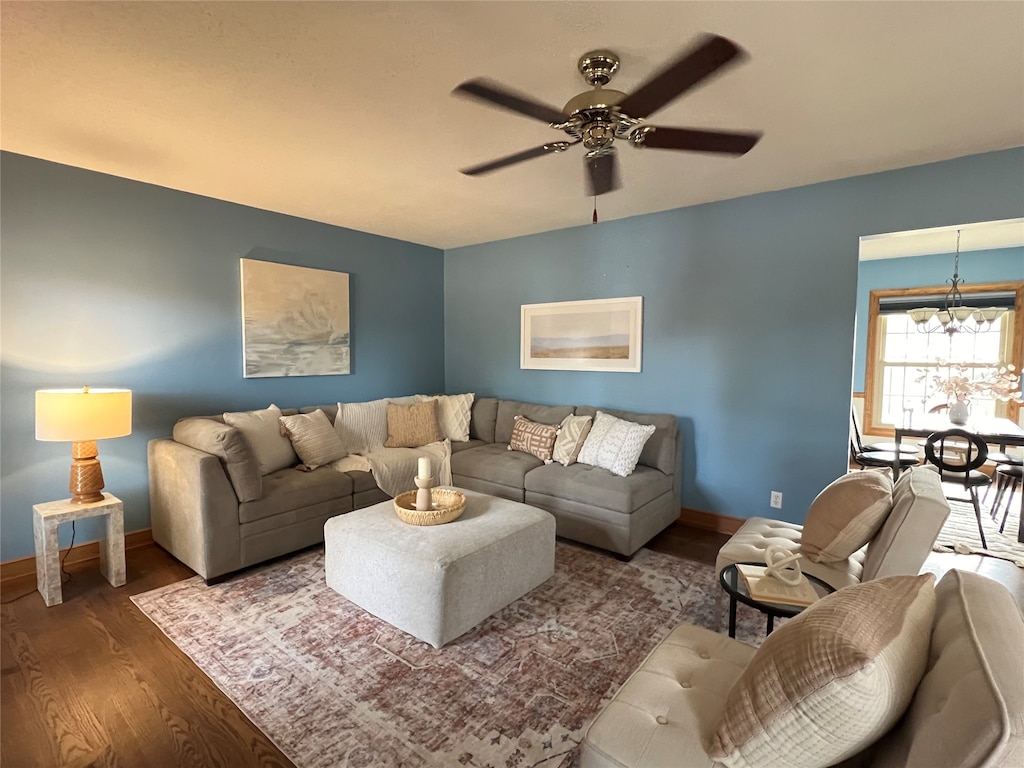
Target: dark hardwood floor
(93, 682)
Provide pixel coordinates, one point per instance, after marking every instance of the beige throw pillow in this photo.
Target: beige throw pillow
(615, 444)
(534, 438)
(362, 427)
(410, 426)
(313, 438)
(263, 431)
(831, 681)
(453, 414)
(846, 515)
(571, 436)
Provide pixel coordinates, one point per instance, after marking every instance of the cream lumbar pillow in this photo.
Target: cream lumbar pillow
(534, 438)
(263, 431)
(571, 436)
(362, 427)
(846, 515)
(411, 426)
(831, 681)
(615, 444)
(313, 438)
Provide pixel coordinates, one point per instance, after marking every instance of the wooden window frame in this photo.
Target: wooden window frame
(871, 364)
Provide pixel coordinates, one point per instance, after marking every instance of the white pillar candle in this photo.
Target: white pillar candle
(424, 468)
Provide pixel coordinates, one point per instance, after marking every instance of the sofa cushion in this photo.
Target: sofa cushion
(846, 515)
(330, 411)
(533, 438)
(481, 423)
(831, 681)
(509, 409)
(570, 439)
(968, 710)
(227, 444)
(615, 444)
(660, 449)
(667, 710)
(290, 489)
(313, 438)
(495, 463)
(361, 481)
(262, 428)
(466, 445)
(414, 425)
(598, 487)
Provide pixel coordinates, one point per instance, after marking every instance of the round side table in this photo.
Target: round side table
(737, 589)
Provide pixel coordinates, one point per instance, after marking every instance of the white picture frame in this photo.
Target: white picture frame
(295, 320)
(590, 335)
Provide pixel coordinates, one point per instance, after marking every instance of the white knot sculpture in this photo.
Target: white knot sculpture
(783, 565)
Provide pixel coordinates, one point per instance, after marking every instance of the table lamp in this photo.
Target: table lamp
(81, 417)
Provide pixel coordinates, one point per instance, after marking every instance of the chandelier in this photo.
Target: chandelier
(954, 317)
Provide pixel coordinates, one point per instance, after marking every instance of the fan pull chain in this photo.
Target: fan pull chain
(595, 209)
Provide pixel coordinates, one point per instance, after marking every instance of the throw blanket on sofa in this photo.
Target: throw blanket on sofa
(394, 469)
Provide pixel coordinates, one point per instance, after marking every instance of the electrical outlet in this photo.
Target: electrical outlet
(776, 500)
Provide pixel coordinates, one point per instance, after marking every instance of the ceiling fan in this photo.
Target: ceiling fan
(596, 118)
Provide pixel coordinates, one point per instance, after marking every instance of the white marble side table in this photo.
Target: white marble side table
(45, 519)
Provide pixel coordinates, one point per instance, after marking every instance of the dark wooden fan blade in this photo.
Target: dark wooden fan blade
(499, 95)
(711, 54)
(602, 173)
(694, 140)
(518, 157)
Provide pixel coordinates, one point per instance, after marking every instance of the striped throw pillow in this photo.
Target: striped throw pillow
(313, 438)
(533, 438)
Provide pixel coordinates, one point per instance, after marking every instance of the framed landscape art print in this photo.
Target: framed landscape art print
(594, 335)
(295, 320)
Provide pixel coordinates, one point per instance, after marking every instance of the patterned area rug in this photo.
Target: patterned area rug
(332, 685)
(960, 532)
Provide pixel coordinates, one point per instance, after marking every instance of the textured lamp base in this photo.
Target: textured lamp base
(86, 484)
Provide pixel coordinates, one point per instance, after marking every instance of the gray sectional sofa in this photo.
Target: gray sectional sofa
(211, 509)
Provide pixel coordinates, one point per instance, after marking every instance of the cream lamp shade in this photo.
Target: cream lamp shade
(81, 417)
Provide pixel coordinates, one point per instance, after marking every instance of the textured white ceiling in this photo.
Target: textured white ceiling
(342, 113)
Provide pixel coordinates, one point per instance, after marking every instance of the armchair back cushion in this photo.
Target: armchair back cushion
(969, 707)
(903, 543)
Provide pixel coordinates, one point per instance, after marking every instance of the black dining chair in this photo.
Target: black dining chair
(957, 454)
(889, 447)
(882, 459)
(1009, 477)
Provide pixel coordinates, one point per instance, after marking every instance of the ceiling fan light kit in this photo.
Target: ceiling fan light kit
(596, 118)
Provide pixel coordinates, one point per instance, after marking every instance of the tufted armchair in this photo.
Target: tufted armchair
(900, 547)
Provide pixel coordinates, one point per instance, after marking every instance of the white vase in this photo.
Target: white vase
(959, 411)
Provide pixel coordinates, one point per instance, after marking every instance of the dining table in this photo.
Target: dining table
(993, 430)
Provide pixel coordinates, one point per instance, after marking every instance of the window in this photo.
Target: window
(902, 362)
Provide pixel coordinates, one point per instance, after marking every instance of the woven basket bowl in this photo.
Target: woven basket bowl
(448, 505)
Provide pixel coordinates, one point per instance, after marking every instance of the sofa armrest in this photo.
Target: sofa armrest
(230, 446)
(193, 508)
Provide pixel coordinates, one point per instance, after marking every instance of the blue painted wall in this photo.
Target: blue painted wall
(749, 308)
(993, 266)
(110, 282)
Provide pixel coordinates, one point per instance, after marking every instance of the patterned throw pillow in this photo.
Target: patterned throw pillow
(263, 431)
(571, 435)
(615, 444)
(453, 414)
(410, 426)
(533, 438)
(846, 515)
(313, 438)
(831, 681)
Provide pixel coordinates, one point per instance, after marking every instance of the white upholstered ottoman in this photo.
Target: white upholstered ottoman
(437, 582)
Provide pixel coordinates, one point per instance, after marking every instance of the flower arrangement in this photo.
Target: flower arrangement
(1000, 382)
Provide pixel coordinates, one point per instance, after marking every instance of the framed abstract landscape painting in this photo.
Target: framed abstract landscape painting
(295, 320)
(595, 335)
